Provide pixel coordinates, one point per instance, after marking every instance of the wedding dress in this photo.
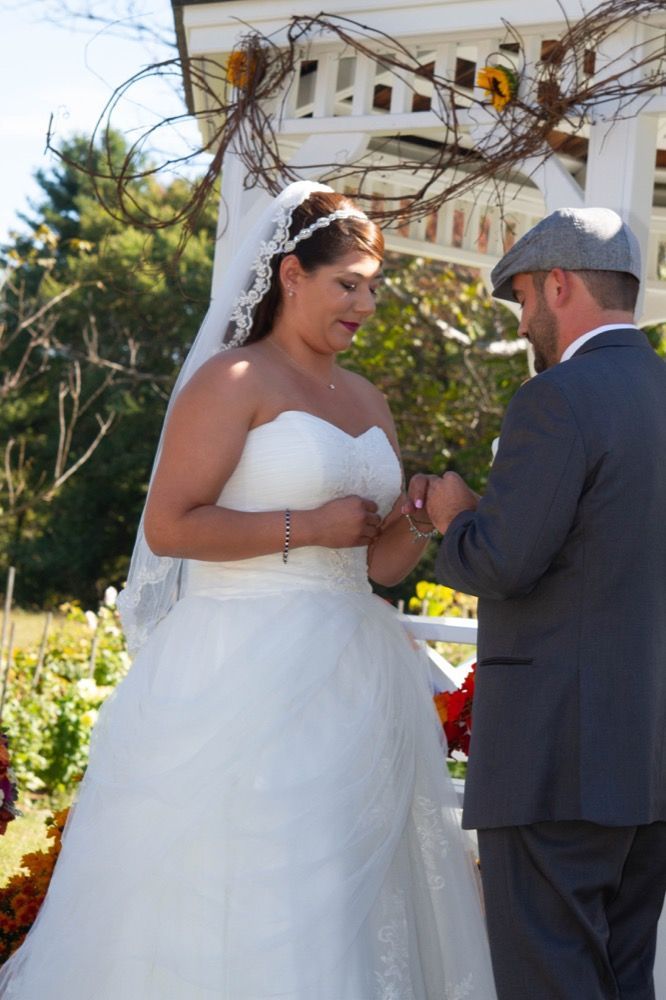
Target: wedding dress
(267, 813)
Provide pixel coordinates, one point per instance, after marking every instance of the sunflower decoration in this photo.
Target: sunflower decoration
(244, 68)
(500, 84)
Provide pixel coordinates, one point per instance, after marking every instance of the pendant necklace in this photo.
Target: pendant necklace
(300, 368)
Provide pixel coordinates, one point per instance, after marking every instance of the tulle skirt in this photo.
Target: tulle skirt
(266, 814)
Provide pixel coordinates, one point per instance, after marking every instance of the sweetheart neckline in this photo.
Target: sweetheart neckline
(322, 420)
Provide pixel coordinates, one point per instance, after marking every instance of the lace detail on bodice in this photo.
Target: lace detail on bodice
(301, 461)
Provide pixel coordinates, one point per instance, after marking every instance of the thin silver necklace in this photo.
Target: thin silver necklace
(295, 364)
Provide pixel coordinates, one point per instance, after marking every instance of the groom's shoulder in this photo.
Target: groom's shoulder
(540, 388)
(567, 378)
(591, 379)
(554, 394)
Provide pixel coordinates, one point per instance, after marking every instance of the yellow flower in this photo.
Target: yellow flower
(241, 69)
(500, 83)
(439, 598)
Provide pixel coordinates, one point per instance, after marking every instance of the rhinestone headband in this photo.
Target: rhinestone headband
(321, 223)
(247, 301)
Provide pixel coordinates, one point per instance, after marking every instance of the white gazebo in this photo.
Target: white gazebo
(341, 105)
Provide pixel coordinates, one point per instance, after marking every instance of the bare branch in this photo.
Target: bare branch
(104, 427)
(121, 20)
(29, 329)
(555, 95)
(51, 304)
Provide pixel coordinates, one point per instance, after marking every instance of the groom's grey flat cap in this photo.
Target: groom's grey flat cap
(575, 239)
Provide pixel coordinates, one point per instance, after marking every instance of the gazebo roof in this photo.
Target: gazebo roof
(339, 103)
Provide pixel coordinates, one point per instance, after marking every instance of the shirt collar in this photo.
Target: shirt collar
(576, 344)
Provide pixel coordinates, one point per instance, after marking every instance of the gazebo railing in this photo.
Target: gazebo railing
(426, 629)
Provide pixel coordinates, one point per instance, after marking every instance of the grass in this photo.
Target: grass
(24, 834)
(29, 626)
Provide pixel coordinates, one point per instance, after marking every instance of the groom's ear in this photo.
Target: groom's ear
(559, 288)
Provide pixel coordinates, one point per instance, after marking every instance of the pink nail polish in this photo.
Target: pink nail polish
(418, 504)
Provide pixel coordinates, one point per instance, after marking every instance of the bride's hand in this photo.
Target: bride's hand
(417, 497)
(346, 522)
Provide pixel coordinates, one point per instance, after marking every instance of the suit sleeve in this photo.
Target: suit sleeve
(502, 549)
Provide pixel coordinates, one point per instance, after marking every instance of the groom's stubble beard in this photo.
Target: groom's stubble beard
(543, 335)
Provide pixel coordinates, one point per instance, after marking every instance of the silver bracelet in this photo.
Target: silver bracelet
(416, 531)
(287, 535)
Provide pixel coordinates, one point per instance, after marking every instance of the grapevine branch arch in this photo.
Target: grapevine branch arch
(244, 98)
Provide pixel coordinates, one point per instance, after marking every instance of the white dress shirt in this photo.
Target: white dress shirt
(573, 347)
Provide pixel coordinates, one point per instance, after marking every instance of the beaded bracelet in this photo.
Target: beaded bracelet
(287, 535)
(416, 531)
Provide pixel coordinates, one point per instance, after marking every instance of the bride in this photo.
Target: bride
(267, 811)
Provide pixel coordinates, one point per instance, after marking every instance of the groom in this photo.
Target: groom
(567, 553)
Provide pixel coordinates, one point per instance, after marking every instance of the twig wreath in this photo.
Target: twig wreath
(527, 111)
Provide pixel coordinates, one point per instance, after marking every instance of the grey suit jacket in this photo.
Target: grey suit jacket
(567, 553)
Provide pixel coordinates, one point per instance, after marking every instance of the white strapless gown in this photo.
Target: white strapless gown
(267, 813)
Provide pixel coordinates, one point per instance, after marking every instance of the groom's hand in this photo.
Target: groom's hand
(447, 497)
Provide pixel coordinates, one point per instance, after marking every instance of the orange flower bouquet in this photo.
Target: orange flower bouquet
(455, 712)
(22, 896)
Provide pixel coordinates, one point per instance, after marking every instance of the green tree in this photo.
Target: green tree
(123, 306)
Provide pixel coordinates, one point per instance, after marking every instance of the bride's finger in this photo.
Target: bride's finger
(417, 493)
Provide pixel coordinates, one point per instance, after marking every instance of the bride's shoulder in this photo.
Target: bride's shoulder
(237, 369)
(227, 388)
(367, 394)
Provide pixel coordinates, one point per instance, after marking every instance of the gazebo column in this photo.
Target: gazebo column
(622, 148)
(236, 214)
(630, 145)
(558, 187)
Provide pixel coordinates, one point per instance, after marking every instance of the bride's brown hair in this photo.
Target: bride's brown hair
(324, 246)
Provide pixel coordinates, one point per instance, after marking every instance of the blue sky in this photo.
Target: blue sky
(46, 69)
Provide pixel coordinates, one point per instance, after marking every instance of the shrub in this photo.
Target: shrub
(22, 896)
(49, 719)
